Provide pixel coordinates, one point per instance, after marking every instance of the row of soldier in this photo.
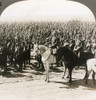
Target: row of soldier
(18, 38)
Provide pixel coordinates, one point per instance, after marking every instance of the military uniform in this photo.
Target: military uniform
(94, 48)
(54, 44)
(78, 47)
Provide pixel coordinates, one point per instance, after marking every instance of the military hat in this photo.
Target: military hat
(66, 44)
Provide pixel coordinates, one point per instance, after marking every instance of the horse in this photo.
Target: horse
(84, 57)
(71, 59)
(68, 57)
(21, 58)
(3, 57)
(46, 58)
(91, 67)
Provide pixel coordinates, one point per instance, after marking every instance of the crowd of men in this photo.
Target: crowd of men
(75, 35)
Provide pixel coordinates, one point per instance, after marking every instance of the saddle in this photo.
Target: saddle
(46, 55)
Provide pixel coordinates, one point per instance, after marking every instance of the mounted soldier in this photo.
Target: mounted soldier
(55, 42)
(88, 46)
(78, 47)
(94, 47)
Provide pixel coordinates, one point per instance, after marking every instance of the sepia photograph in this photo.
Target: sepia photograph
(47, 49)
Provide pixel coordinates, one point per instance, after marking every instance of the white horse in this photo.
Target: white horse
(91, 67)
(47, 58)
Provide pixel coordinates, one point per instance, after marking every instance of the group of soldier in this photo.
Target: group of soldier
(19, 39)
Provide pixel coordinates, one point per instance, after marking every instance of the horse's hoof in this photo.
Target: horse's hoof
(86, 83)
(84, 78)
(70, 81)
(48, 81)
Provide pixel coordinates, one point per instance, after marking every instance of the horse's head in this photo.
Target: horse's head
(39, 50)
(36, 51)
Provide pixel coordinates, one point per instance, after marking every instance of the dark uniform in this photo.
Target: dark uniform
(78, 47)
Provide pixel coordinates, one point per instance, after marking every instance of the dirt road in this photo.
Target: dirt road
(30, 85)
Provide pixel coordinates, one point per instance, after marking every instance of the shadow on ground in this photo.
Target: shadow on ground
(76, 84)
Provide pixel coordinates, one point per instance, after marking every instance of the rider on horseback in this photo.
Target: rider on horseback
(54, 45)
(94, 48)
(78, 47)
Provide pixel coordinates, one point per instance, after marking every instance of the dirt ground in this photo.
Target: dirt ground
(30, 85)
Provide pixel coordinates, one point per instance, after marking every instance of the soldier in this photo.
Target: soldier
(88, 46)
(20, 50)
(72, 44)
(54, 40)
(78, 47)
(54, 45)
(94, 47)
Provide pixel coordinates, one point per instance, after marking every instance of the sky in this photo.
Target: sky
(47, 10)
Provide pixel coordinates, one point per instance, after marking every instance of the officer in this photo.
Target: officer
(78, 47)
(54, 45)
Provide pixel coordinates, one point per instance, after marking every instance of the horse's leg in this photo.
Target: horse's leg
(20, 67)
(47, 65)
(87, 75)
(46, 73)
(64, 70)
(29, 59)
(86, 72)
(24, 64)
(20, 63)
(64, 73)
(93, 77)
(5, 66)
(70, 75)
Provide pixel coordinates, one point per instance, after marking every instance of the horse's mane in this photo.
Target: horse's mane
(67, 50)
(68, 54)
